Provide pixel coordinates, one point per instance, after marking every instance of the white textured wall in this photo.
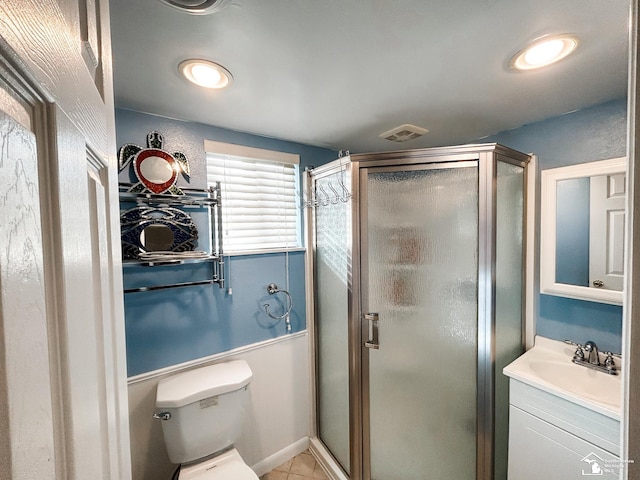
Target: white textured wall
(276, 428)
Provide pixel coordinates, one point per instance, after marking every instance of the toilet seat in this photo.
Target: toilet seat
(227, 466)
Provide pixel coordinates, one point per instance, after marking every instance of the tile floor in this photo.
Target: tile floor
(300, 467)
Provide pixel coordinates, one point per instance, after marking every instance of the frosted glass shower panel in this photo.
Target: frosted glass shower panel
(509, 296)
(333, 237)
(421, 277)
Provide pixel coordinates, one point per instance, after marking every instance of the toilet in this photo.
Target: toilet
(202, 413)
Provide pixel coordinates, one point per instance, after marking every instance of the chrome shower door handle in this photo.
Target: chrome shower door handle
(373, 341)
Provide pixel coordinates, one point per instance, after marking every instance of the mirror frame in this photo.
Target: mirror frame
(549, 179)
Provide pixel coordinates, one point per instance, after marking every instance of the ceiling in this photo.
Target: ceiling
(338, 73)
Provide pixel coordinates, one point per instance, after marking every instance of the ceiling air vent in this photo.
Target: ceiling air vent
(403, 133)
(197, 7)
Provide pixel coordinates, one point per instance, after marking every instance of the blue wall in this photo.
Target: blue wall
(595, 133)
(168, 327)
(173, 326)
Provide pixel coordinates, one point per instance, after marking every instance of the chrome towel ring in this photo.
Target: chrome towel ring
(273, 289)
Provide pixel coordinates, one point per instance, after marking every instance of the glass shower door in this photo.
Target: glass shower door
(419, 234)
(332, 257)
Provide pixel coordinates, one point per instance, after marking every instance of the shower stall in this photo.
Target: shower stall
(418, 280)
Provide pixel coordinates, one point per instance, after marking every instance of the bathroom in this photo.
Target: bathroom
(177, 329)
(281, 388)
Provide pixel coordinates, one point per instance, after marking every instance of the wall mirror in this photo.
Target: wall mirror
(157, 238)
(582, 231)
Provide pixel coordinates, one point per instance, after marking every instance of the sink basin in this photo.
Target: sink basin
(548, 367)
(579, 380)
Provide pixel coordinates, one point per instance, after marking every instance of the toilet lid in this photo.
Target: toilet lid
(233, 470)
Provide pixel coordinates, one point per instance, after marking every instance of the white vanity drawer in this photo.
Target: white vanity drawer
(596, 428)
(539, 450)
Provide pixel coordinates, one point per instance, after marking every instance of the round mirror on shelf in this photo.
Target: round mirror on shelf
(157, 238)
(157, 169)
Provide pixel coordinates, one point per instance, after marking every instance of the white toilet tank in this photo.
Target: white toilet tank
(207, 407)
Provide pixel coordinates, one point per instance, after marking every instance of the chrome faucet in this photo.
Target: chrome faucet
(589, 356)
(593, 356)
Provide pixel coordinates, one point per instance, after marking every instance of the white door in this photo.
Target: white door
(63, 404)
(606, 231)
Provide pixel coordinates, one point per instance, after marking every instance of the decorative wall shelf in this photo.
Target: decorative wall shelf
(168, 215)
(175, 200)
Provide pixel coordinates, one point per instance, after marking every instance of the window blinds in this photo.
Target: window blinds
(259, 208)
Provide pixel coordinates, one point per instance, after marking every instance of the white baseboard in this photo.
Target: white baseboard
(278, 458)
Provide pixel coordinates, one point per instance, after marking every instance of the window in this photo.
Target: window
(259, 196)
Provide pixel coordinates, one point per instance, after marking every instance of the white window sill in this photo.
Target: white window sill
(264, 250)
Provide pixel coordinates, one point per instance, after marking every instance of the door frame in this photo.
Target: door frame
(72, 117)
(630, 425)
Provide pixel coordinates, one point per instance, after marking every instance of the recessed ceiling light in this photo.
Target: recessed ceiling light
(197, 7)
(205, 73)
(544, 51)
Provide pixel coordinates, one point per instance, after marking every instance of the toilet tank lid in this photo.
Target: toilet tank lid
(188, 387)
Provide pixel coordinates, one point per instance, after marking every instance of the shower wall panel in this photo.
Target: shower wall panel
(331, 271)
(509, 284)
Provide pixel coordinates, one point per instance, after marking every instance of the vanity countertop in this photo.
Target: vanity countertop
(548, 367)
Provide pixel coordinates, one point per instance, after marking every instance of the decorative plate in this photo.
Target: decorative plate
(156, 169)
(151, 229)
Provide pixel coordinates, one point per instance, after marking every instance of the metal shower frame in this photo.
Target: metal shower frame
(487, 157)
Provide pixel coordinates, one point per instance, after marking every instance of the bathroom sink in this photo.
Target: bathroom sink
(591, 384)
(548, 367)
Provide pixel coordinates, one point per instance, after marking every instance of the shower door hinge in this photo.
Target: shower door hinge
(373, 341)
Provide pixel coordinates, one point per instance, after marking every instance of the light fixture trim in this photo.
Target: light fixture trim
(205, 73)
(544, 51)
(196, 7)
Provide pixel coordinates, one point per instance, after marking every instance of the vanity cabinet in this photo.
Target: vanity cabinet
(552, 438)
